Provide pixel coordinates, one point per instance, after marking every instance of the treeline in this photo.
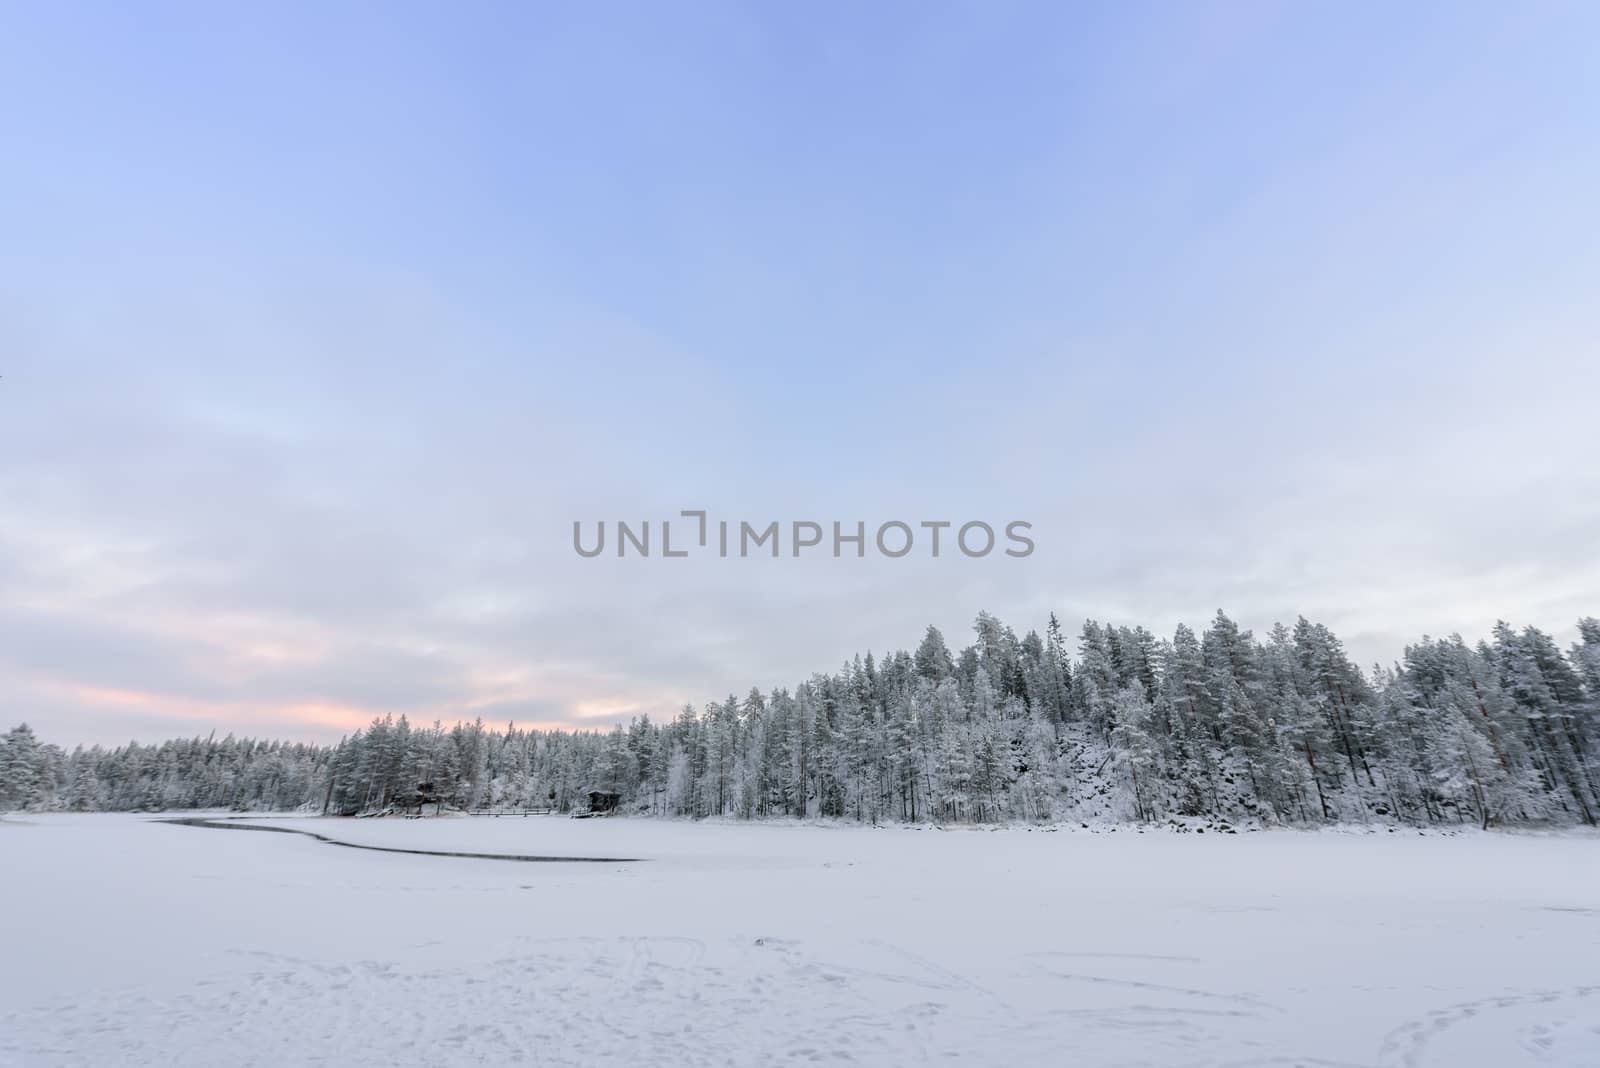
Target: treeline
(1217, 724)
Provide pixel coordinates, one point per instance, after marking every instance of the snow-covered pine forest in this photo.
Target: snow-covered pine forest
(1132, 727)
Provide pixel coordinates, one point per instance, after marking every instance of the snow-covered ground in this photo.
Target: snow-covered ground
(127, 941)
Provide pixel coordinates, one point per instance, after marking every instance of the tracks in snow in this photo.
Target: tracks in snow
(227, 824)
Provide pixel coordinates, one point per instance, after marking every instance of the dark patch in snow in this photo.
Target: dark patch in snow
(224, 824)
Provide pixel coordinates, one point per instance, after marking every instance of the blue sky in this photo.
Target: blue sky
(320, 324)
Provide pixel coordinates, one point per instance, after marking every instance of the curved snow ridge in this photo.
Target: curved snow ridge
(227, 824)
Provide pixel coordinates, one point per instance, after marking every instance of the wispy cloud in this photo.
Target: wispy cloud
(306, 378)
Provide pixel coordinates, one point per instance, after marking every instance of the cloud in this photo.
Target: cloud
(288, 447)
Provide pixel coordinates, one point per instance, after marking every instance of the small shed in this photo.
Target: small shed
(603, 802)
(424, 794)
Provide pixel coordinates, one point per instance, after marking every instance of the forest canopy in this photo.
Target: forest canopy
(1116, 725)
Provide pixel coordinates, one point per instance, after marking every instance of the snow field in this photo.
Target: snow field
(128, 941)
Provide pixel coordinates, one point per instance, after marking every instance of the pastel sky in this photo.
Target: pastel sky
(321, 323)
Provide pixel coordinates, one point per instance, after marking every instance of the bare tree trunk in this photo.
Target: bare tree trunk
(1317, 780)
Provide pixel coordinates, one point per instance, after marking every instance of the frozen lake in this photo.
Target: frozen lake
(128, 941)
